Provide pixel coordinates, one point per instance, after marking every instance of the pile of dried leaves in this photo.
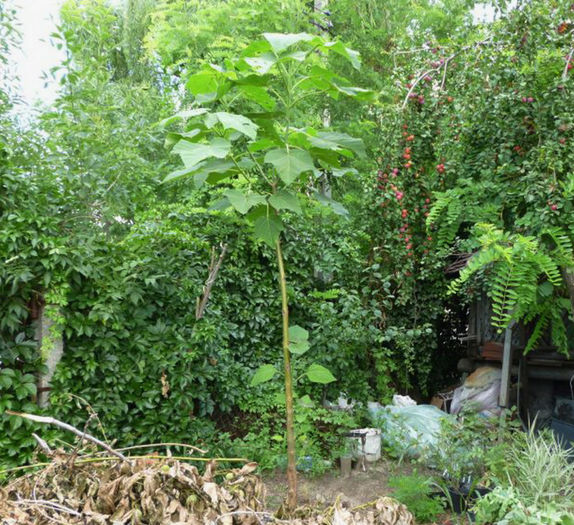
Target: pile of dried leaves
(383, 511)
(136, 492)
(167, 491)
(158, 490)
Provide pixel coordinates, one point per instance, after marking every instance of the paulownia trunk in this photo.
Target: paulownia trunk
(291, 463)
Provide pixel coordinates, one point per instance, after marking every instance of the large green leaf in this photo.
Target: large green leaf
(289, 163)
(337, 207)
(356, 92)
(298, 340)
(339, 140)
(263, 373)
(201, 171)
(286, 200)
(262, 63)
(268, 229)
(259, 95)
(319, 374)
(192, 154)
(350, 54)
(243, 202)
(202, 83)
(231, 121)
(281, 41)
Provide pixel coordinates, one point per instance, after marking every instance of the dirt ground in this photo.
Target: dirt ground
(362, 486)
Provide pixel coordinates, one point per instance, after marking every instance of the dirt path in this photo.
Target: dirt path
(358, 488)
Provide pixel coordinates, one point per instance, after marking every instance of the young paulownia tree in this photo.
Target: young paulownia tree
(267, 159)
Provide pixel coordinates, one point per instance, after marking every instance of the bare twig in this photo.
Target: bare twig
(444, 67)
(69, 428)
(153, 445)
(43, 445)
(214, 266)
(416, 82)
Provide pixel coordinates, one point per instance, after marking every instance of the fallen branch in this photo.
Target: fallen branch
(69, 428)
(214, 266)
(43, 445)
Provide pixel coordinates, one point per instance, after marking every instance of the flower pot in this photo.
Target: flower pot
(461, 498)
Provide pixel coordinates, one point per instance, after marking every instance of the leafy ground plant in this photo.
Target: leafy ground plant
(255, 142)
(415, 491)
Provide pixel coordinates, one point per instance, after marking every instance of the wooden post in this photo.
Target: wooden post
(506, 368)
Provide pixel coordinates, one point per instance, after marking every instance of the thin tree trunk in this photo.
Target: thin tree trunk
(291, 470)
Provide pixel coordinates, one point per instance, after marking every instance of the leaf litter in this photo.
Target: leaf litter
(165, 491)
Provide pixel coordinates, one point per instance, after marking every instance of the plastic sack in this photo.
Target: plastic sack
(479, 393)
(409, 430)
(403, 401)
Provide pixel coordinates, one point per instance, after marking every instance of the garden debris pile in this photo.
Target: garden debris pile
(165, 491)
(141, 491)
(383, 511)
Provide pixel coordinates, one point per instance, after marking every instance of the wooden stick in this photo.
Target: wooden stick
(69, 428)
(214, 266)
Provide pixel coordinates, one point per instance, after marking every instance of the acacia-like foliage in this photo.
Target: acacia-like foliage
(523, 280)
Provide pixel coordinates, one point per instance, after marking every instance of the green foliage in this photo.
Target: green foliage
(320, 434)
(415, 491)
(504, 126)
(504, 505)
(524, 280)
(534, 478)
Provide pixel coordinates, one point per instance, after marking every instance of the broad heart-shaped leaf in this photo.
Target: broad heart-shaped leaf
(231, 121)
(286, 200)
(202, 171)
(305, 401)
(298, 340)
(337, 207)
(264, 373)
(340, 140)
(319, 374)
(192, 154)
(289, 163)
(268, 229)
(262, 63)
(350, 54)
(243, 202)
(339, 172)
(185, 114)
(202, 83)
(259, 95)
(220, 204)
(362, 94)
(296, 333)
(281, 41)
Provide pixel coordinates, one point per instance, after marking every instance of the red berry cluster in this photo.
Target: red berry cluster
(409, 199)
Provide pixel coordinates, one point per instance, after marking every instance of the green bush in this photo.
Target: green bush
(415, 491)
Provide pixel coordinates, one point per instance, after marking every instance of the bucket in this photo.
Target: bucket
(366, 442)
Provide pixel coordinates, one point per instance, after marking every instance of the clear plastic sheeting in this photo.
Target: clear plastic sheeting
(408, 430)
